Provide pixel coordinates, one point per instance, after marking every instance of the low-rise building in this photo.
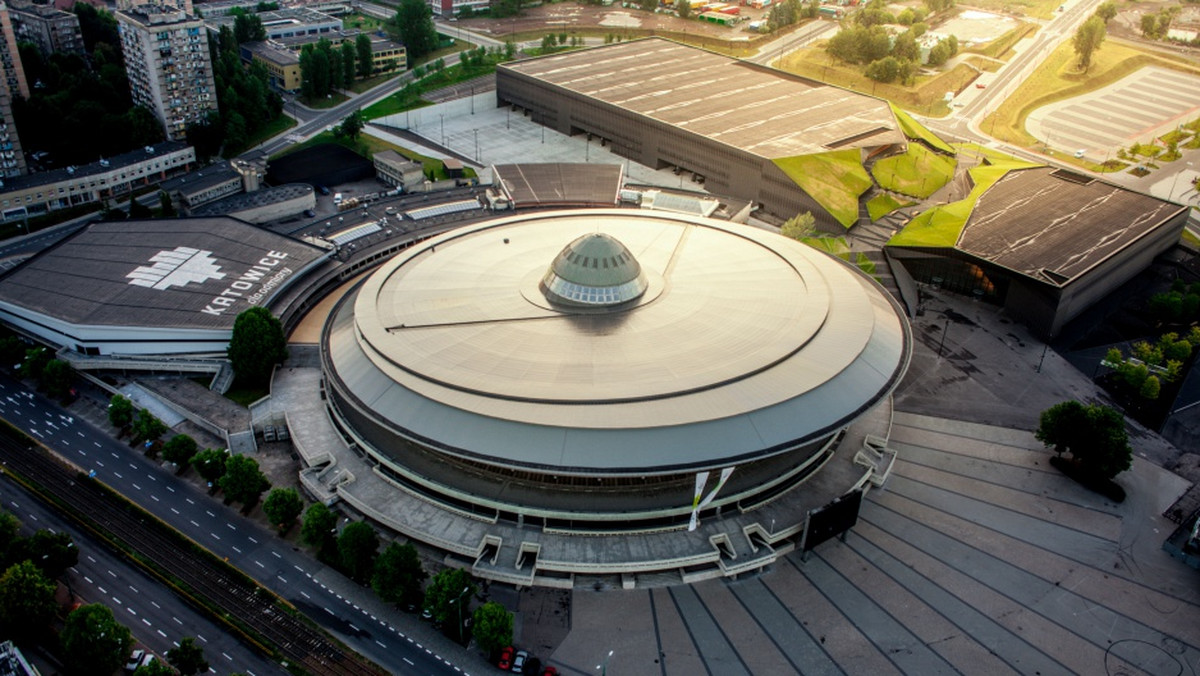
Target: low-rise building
(202, 186)
(43, 192)
(397, 170)
(282, 64)
(285, 23)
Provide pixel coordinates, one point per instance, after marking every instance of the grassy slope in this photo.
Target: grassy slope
(834, 180)
(918, 172)
(882, 205)
(940, 227)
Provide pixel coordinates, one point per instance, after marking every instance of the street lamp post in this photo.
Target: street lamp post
(458, 601)
(443, 120)
(1175, 183)
(603, 666)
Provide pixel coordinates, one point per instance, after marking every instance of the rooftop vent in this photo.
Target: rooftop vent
(1072, 177)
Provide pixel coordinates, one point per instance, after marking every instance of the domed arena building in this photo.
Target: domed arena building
(574, 377)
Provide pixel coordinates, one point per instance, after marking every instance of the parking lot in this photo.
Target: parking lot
(1140, 107)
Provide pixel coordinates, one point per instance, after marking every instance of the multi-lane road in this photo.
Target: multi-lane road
(372, 629)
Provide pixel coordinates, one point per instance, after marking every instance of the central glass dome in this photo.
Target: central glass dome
(594, 270)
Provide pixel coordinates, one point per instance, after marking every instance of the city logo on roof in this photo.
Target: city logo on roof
(178, 267)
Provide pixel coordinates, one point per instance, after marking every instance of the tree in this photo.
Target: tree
(180, 449)
(938, 5)
(1087, 40)
(52, 552)
(1094, 435)
(884, 70)
(243, 482)
(26, 600)
(448, 585)
(1107, 11)
(317, 527)
(282, 507)
(399, 575)
(356, 551)
(348, 56)
(9, 527)
(1151, 388)
(210, 463)
(257, 345)
(188, 657)
(683, 8)
(248, 28)
(55, 378)
(363, 55)
(139, 211)
(35, 360)
(352, 125)
(413, 27)
(120, 411)
(93, 642)
(799, 226)
(492, 626)
(146, 427)
(166, 208)
(154, 668)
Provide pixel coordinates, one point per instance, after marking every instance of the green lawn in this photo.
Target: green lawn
(834, 179)
(836, 246)
(915, 130)
(883, 204)
(409, 98)
(918, 172)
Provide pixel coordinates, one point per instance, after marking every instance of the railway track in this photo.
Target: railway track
(238, 597)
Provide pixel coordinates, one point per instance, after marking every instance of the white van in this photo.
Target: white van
(337, 198)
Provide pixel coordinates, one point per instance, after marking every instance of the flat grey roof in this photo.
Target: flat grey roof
(160, 273)
(1054, 224)
(116, 162)
(258, 198)
(556, 183)
(757, 109)
(202, 179)
(746, 343)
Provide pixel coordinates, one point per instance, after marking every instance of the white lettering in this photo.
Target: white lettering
(210, 310)
(241, 286)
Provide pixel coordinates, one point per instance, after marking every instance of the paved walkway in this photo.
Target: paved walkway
(977, 557)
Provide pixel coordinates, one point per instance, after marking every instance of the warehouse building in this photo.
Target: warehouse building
(744, 130)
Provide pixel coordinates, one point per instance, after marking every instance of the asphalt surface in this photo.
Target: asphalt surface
(319, 592)
(151, 610)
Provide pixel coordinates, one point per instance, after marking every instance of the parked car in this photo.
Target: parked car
(323, 190)
(518, 666)
(506, 658)
(135, 660)
(550, 671)
(309, 213)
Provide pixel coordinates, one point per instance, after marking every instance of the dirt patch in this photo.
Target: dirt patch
(627, 23)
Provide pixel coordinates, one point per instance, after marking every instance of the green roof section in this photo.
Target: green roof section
(940, 227)
(883, 204)
(917, 172)
(915, 130)
(834, 179)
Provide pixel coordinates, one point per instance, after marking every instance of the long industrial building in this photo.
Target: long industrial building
(748, 131)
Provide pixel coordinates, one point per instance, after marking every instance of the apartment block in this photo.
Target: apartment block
(166, 56)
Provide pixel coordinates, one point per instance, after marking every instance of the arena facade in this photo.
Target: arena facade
(594, 371)
(748, 131)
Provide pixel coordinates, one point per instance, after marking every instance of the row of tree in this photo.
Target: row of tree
(91, 641)
(324, 68)
(80, 110)
(888, 59)
(397, 576)
(1179, 305)
(244, 96)
(1150, 364)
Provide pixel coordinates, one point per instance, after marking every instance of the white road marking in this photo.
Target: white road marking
(209, 513)
(135, 486)
(174, 510)
(118, 475)
(155, 498)
(305, 595)
(408, 661)
(259, 564)
(252, 540)
(215, 536)
(382, 644)
(237, 550)
(160, 633)
(194, 523)
(177, 621)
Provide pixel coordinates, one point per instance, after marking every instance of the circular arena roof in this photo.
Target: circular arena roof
(740, 343)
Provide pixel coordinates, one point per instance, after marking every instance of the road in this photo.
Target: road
(964, 122)
(319, 592)
(151, 610)
(311, 121)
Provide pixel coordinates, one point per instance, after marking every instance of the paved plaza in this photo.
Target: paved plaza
(1138, 108)
(977, 557)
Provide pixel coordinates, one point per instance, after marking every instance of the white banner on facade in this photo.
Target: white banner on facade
(697, 503)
